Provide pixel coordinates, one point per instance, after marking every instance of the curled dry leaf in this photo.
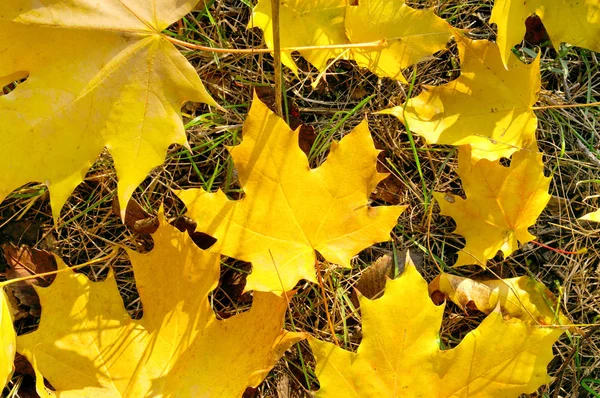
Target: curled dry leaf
(523, 297)
(400, 352)
(289, 210)
(87, 345)
(25, 261)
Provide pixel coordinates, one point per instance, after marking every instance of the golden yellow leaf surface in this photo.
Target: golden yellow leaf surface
(290, 210)
(411, 35)
(523, 297)
(566, 21)
(315, 23)
(9, 344)
(400, 354)
(100, 75)
(88, 346)
(501, 204)
(487, 107)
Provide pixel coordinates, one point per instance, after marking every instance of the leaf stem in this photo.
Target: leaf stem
(564, 106)
(373, 44)
(326, 307)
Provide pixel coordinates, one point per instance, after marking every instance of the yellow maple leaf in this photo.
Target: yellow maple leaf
(410, 35)
(100, 75)
(522, 297)
(573, 22)
(290, 210)
(487, 107)
(9, 345)
(400, 354)
(87, 345)
(501, 204)
(315, 23)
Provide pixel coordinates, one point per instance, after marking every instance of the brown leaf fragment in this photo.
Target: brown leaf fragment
(25, 261)
(522, 297)
(535, 32)
(372, 282)
(137, 219)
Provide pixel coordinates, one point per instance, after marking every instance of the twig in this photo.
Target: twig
(277, 57)
(373, 44)
(564, 106)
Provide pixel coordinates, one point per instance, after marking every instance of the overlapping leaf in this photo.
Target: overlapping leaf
(523, 297)
(501, 204)
(411, 35)
(487, 107)
(573, 22)
(290, 210)
(87, 345)
(9, 344)
(400, 352)
(99, 75)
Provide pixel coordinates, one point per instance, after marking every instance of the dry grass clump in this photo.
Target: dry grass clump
(90, 227)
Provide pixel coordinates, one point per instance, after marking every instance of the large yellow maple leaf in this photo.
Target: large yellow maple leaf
(501, 204)
(290, 210)
(487, 107)
(400, 354)
(100, 74)
(88, 346)
(410, 35)
(8, 340)
(573, 22)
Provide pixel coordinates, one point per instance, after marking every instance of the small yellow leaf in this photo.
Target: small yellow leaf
(502, 203)
(523, 297)
(100, 75)
(487, 107)
(290, 210)
(566, 21)
(9, 344)
(593, 216)
(88, 346)
(400, 356)
(411, 35)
